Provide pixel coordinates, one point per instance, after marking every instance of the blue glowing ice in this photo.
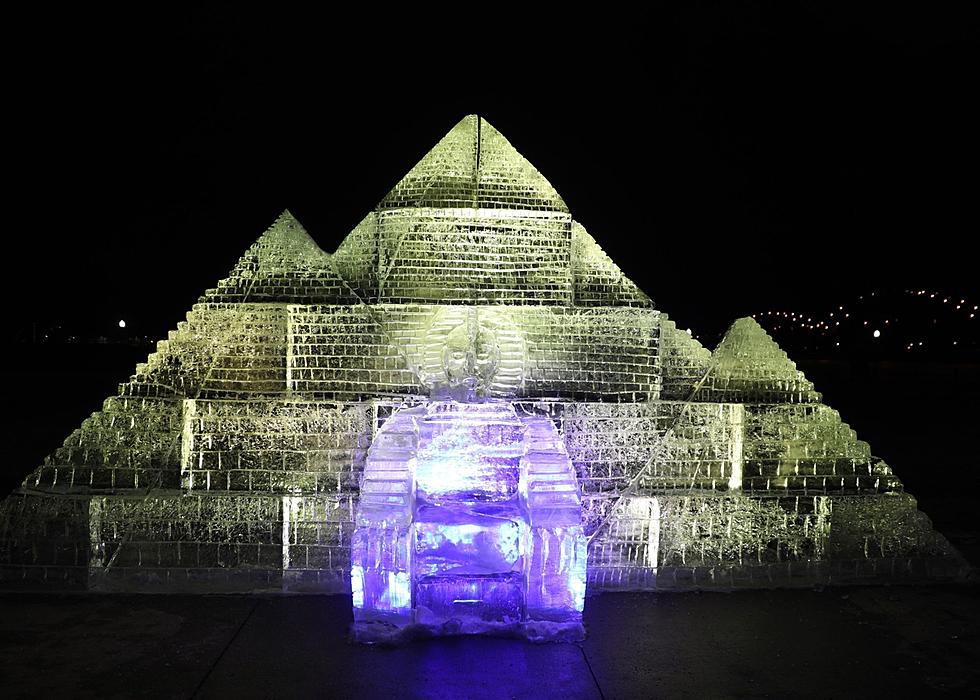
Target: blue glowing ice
(469, 522)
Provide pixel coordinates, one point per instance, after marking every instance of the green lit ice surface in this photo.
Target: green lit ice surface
(281, 437)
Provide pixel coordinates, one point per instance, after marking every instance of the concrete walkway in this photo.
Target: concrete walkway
(895, 641)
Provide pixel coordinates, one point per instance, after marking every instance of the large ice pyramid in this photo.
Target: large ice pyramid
(236, 457)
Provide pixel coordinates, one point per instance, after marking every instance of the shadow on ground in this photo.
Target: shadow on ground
(784, 644)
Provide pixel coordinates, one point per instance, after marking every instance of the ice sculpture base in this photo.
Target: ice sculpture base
(540, 631)
(380, 628)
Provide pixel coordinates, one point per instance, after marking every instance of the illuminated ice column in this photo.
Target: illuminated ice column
(736, 427)
(381, 551)
(555, 573)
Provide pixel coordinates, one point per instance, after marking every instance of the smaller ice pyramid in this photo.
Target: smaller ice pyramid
(749, 367)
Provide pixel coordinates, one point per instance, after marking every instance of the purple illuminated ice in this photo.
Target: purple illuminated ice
(469, 523)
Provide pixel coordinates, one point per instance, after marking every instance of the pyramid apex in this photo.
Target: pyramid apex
(286, 238)
(743, 327)
(748, 366)
(745, 337)
(747, 322)
(474, 167)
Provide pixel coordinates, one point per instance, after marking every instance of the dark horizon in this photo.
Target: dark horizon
(728, 162)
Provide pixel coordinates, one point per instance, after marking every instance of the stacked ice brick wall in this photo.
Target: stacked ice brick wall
(45, 541)
(748, 367)
(254, 494)
(356, 351)
(233, 457)
(345, 351)
(264, 498)
(475, 258)
(472, 223)
(285, 266)
(288, 446)
(796, 498)
(683, 360)
(206, 472)
(133, 442)
(651, 451)
(596, 279)
(806, 447)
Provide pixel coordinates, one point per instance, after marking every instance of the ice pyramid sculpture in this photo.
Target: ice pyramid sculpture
(266, 443)
(748, 367)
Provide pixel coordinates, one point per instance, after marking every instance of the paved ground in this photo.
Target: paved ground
(898, 641)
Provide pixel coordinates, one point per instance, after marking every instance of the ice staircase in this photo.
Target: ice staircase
(469, 523)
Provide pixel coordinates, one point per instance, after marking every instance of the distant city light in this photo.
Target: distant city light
(837, 321)
(122, 323)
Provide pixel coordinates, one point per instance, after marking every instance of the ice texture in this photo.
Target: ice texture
(459, 542)
(491, 505)
(470, 604)
(236, 458)
(469, 452)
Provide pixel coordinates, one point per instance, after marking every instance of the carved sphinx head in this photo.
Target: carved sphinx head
(470, 358)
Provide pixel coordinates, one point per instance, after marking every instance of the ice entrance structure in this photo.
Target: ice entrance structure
(470, 520)
(470, 515)
(396, 419)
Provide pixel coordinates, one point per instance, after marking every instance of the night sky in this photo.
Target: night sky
(729, 161)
